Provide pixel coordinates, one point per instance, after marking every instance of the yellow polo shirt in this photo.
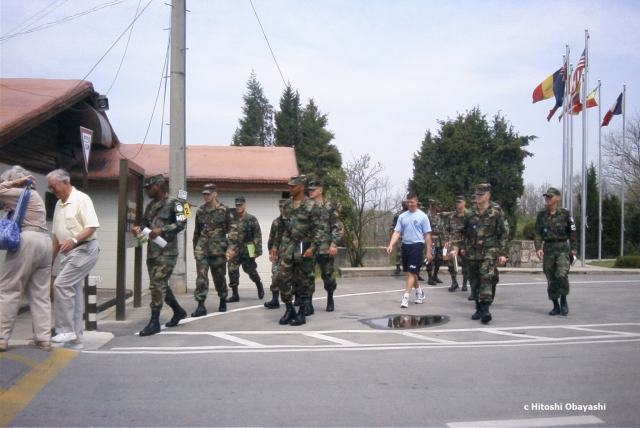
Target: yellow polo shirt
(73, 216)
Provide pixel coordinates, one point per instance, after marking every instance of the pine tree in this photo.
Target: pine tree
(288, 119)
(256, 126)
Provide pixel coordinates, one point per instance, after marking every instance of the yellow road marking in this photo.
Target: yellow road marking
(19, 358)
(16, 398)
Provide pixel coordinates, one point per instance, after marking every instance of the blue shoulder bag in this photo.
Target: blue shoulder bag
(10, 228)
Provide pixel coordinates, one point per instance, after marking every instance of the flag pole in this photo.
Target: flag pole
(585, 147)
(622, 166)
(599, 171)
(570, 170)
(564, 131)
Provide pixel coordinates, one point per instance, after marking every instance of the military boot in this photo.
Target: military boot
(486, 315)
(330, 301)
(260, 289)
(397, 271)
(273, 303)
(556, 308)
(308, 310)
(154, 325)
(564, 307)
(200, 310)
(420, 278)
(464, 284)
(431, 281)
(454, 283)
(289, 314)
(478, 313)
(235, 297)
(178, 314)
(299, 319)
(296, 300)
(435, 275)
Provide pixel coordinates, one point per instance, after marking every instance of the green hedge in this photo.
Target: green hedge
(628, 262)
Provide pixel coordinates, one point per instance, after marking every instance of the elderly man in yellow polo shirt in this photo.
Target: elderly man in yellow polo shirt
(74, 229)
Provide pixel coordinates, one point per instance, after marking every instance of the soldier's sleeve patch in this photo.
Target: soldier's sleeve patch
(178, 210)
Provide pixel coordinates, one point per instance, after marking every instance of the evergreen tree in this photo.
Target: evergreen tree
(256, 126)
(288, 119)
(469, 150)
(611, 227)
(591, 242)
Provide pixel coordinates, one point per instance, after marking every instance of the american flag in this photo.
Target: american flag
(577, 73)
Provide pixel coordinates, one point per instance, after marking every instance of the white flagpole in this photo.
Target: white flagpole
(564, 129)
(583, 100)
(570, 171)
(599, 171)
(622, 167)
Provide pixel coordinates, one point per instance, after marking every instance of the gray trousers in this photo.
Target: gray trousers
(68, 303)
(27, 270)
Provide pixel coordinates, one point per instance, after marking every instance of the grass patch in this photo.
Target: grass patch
(603, 263)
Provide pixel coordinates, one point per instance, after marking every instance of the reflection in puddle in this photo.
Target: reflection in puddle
(405, 321)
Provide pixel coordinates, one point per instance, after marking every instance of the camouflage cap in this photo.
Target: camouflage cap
(240, 200)
(483, 188)
(552, 191)
(153, 180)
(297, 180)
(434, 203)
(281, 202)
(208, 188)
(460, 198)
(313, 185)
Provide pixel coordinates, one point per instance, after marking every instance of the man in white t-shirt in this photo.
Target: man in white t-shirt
(415, 229)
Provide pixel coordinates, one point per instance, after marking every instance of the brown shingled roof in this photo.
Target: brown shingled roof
(204, 163)
(26, 103)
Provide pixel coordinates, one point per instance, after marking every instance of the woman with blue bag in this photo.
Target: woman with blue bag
(27, 269)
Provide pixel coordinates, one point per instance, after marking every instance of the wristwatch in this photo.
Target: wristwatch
(75, 241)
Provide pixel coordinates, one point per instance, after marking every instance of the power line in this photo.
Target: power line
(268, 44)
(125, 50)
(36, 14)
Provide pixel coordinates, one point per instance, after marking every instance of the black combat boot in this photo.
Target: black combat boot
(296, 300)
(235, 297)
(478, 313)
(178, 314)
(273, 303)
(200, 310)
(464, 284)
(556, 308)
(308, 310)
(435, 275)
(420, 278)
(431, 281)
(454, 283)
(299, 319)
(154, 325)
(289, 313)
(397, 271)
(564, 307)
(329, 301)
(486, 315)
(223, 306)
(260, 289)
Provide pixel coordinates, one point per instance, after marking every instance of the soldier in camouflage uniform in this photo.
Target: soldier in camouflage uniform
(554, 227)
(332, 234)
(215, 240)
(298, 239)
(437, 242)
(274, 302)
(482, 237)
(453, 220)
(165, 217)
(399, 244)
(248, 234)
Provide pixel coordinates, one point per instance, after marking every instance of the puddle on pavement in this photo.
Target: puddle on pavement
(392, 322)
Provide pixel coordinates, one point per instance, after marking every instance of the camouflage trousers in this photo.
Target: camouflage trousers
(399, 251)
(483, 277)
(160, 269)
(274, 271)
(437, 260)
(325, 263)
(462, 262)
(555, 264)
(296, 276)
(218, 266)
(249, 266)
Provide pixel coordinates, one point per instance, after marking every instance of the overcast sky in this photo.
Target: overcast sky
(384, 71)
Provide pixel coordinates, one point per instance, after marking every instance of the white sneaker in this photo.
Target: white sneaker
(420, 298)
(63, 337)
(68, 345)
(405, 303)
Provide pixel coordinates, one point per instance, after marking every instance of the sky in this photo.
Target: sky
(384, 72)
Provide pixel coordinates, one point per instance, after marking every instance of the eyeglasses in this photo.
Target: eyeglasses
(54, 186)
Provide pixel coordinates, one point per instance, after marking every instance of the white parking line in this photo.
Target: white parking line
(331, 339)
(538, 422)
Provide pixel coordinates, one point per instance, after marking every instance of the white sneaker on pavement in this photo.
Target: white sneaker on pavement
(63, 337)
(405, 303)
(419, 298)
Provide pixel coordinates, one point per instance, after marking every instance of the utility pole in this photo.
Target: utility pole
(177, 133)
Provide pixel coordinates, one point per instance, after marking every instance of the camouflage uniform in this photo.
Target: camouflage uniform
(331, 235)
(248, 233)
(299, 228)
(485, 239)
(452, 224)
(215, 232)
(437, 240)
(399, 243)
(168, 214)
(552, 232)
(270, 245)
